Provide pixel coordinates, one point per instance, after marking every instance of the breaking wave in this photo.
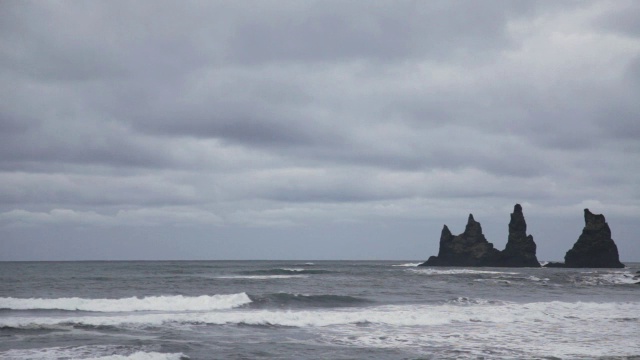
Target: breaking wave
(151, 303)
(606, 278)
(408, 265)
(288, 300)
(432, 271)
(457, 310)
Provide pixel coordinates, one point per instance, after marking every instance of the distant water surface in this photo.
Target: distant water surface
(314, 310)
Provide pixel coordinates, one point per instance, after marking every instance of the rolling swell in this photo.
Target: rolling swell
(286, 271)
(288, 300)
(32, 329)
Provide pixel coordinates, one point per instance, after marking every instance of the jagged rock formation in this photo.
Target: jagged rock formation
(470, 248)
(521, 249)
(595, 247)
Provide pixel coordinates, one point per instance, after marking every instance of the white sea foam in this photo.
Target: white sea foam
(461, 300)
(396, 315)
(606, 278)
(535, 278)
(408, 265)
(151, 303)
(532, 330)
(432, 271)
(99, 352)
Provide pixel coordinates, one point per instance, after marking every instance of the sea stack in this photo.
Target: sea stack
(470, 248)
(521, 249)
(595, 247)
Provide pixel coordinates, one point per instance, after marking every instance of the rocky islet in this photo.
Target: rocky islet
(594, 248)
(470, 248)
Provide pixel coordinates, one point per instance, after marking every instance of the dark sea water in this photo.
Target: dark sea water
(314, 310)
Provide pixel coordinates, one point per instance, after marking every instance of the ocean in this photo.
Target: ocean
(314, 310)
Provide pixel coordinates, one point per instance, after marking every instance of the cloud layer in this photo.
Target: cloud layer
(223, 117)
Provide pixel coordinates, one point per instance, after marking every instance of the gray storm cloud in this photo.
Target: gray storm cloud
(232, 129)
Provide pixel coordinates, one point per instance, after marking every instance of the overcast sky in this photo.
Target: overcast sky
(313, 130)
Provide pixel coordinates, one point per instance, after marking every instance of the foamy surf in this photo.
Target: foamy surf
(465, 301)
(541, 329)
(532, 330)
(338, 310)
(408, 265)
(432, 271)
(151, 303)
(606, 278)
(461, 310)
(285, 300)
(98, 352)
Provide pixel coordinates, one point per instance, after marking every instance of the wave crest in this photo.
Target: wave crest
(474, 310)
(288, 300)
(408, 265)
(151, 303)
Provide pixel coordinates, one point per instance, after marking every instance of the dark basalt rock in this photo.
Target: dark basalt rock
(594, 248)
(470, 248)
(521, 249)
